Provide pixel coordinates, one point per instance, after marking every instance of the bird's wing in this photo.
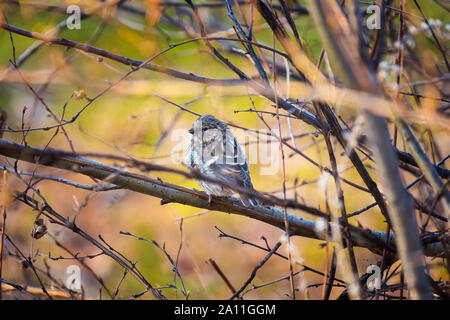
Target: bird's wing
(233, 166)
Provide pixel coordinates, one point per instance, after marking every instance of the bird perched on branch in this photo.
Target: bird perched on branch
(215, 153)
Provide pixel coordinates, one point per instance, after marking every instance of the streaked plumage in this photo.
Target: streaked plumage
(214, 151)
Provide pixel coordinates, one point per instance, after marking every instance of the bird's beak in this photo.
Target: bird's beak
(191, 130)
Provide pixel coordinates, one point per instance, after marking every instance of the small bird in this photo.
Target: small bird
(214, 151)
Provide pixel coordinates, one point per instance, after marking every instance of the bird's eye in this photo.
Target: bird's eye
(204, 129)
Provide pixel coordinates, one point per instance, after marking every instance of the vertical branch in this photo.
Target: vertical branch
(425, 164)
(401, 209)
(236, 70)
(351, 264)
(223, 277)
(340, 195)
(331, 276)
